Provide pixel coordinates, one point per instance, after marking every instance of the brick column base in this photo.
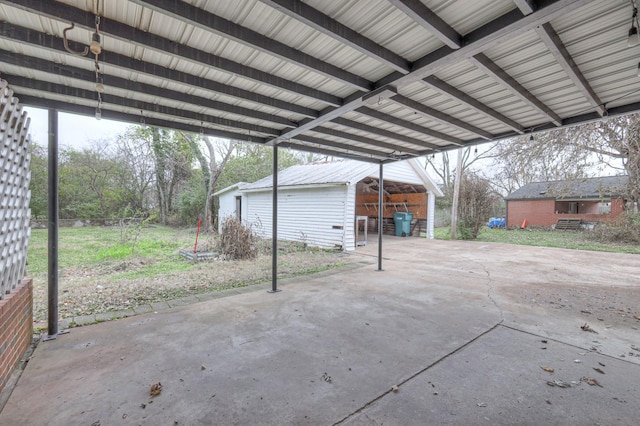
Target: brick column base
(16, 327)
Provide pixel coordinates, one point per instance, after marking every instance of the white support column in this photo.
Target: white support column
(431, 214)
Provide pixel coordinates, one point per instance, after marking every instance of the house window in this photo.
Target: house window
(604, 208)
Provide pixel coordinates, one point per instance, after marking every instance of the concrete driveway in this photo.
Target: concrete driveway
(449, 333)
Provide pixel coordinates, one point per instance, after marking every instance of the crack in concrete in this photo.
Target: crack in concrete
(490, 296)
(413, 376)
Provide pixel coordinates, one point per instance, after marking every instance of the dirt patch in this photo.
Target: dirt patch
(615, 306)
(84, 291)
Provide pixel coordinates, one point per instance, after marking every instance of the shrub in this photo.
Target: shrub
(237, 240)
(624, 229)
(475, 205)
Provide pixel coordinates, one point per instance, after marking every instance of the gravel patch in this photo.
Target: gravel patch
(108, 288)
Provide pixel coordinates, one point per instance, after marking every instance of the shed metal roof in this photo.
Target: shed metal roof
(346, 172)
(587, 188)
(375, 80)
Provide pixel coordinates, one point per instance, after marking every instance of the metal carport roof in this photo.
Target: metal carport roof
(376, 80)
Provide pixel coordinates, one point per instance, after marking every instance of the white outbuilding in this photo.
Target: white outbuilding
(318, 203)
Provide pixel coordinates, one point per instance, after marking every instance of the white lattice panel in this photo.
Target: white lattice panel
(14, 190)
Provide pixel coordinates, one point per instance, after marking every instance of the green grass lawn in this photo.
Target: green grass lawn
(97, 247)
(544, 238)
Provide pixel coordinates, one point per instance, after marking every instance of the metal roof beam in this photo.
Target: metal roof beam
(526, 6)
(508, 25)
(330, 152)
(339, 145)
(210, 22)
(465, 99)
(549, 36)
(429, 20)
(149, 89)
(433, 114)
(384, 132)
(326, 25)
(53, 43)
(358, 138)
(491, 68)
(559, 51)
(74, 92)
(408, 125)
(107, 114)
(163, 45)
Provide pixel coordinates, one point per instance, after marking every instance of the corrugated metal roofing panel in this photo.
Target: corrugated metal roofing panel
(471, 15)
(340, 172)
(594, 35)
(382, 23)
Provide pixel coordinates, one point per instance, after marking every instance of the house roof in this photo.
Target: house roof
(347, 172)
(375, 80)
(229, 188)
(586, 188)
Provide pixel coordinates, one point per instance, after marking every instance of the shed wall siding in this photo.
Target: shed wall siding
(307, 215)
(401, 172)
(227, 206)
(350, 218)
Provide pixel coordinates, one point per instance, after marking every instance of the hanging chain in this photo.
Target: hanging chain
(99, 79)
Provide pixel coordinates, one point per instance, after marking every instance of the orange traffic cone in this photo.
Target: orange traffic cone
(524, 224)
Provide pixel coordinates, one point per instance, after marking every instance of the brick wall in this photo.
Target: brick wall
(542, 213)
(617, 206)
(16, 327)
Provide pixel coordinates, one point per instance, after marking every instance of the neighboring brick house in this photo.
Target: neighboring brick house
(590, 199)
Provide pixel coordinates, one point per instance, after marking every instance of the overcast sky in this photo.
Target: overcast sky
(75, 131)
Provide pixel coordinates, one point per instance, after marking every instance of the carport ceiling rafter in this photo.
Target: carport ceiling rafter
(379, 81)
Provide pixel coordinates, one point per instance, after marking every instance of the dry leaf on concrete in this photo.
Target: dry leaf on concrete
(547, 369)
(156, 388)
(590, 381)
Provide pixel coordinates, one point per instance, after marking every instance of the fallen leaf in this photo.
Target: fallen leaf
(590, 381)
(395, 388)
(599, 370)
(547, 369)
(202, 367)
(637, 317)
(156, 388)
(586, 327)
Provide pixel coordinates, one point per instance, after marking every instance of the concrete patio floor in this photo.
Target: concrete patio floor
(461, 328)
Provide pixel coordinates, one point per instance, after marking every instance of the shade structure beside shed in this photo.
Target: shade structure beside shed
(318, 203)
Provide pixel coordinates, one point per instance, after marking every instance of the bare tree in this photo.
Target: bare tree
(443, 165)
(572, 153)
(615, 142)
(528, 159)
(211, 169)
